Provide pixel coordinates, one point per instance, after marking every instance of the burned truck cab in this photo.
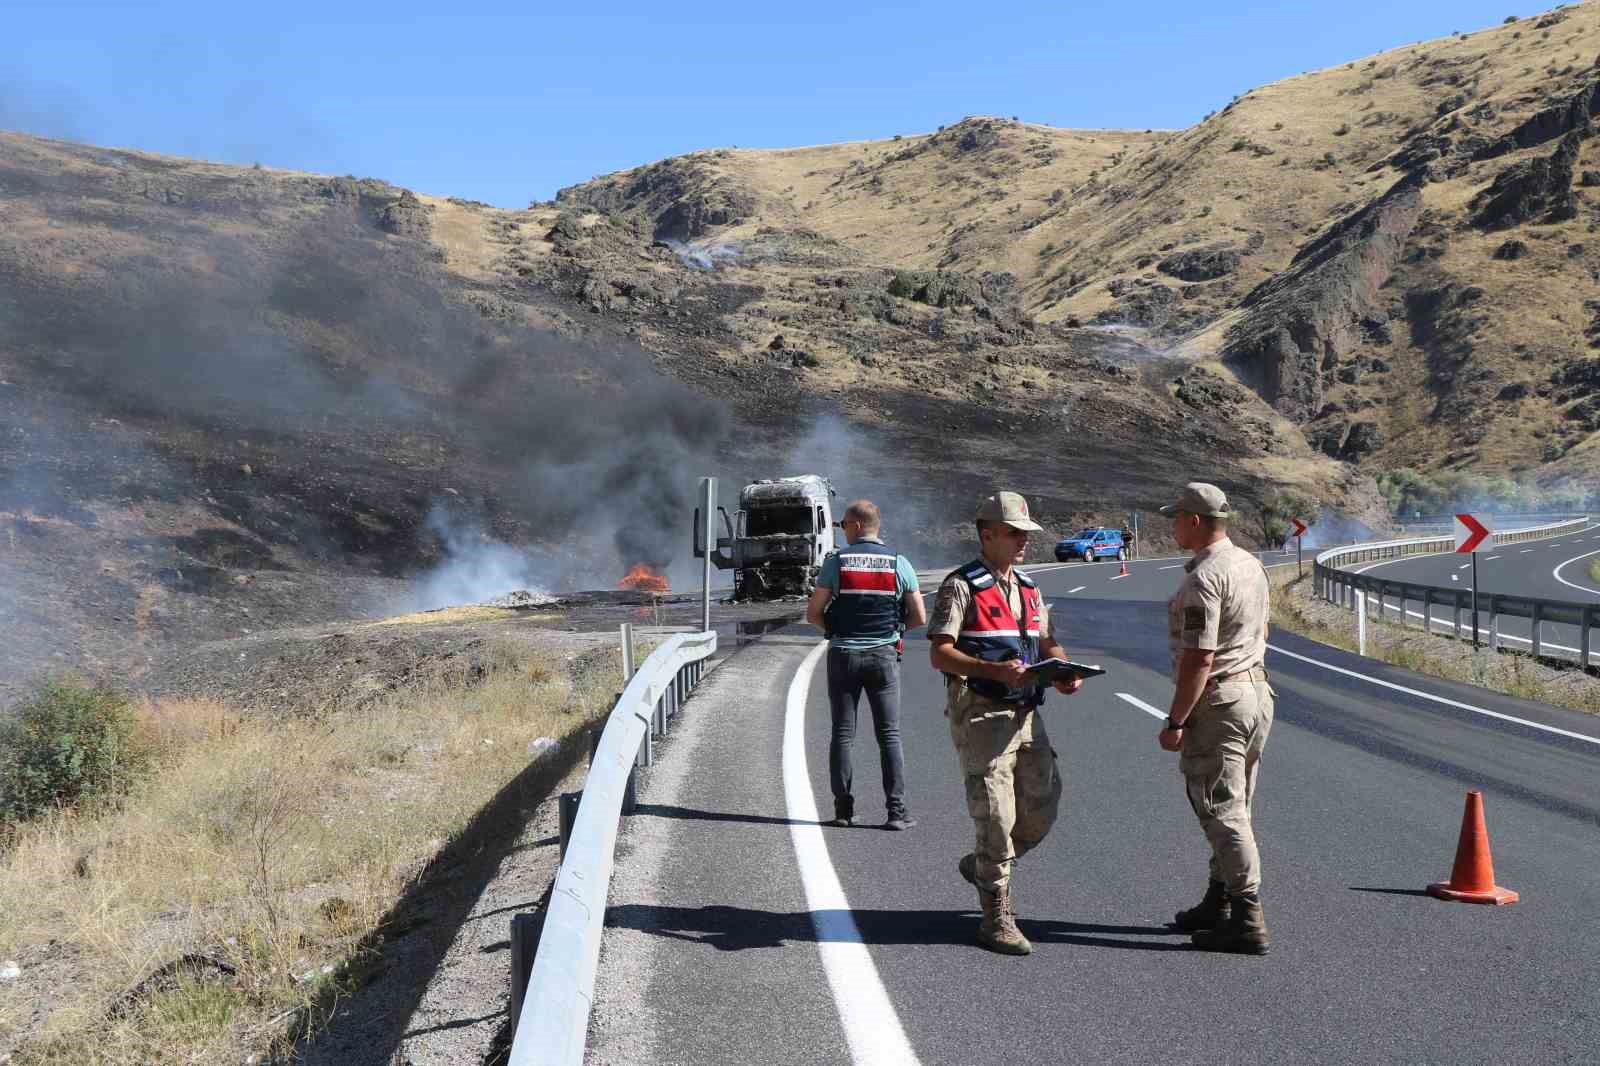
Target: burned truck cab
(776, 542)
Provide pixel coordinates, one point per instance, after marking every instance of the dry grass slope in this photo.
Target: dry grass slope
(247, 885)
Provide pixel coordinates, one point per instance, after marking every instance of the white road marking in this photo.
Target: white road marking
(1143, 706)
(1525, 551)
(1491, 558)
(1172, 567)
(1080, 588)
(1437, 699)
(1119, 577)
(1463, 566)
(1556, 573)
(870, 1023)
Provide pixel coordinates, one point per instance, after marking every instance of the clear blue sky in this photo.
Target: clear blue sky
(507, 102)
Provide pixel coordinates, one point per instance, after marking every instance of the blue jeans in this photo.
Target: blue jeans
(877, 673)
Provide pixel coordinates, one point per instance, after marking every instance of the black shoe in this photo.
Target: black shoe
(1243, 933)
(1209, 913)
(900, 821)
(843, 821)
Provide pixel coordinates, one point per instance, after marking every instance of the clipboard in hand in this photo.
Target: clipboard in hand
(1048, 671)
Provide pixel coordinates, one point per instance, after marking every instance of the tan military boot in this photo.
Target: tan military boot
(1207, 914)
(998, 931)
(1244, 933)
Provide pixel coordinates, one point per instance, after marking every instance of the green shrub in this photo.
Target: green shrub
(69, 745)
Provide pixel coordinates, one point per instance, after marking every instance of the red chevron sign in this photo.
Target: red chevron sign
(1469, 533)
(1299, 527)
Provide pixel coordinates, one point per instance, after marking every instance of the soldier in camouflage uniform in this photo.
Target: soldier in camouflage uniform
(1221, 713)
(988, 623)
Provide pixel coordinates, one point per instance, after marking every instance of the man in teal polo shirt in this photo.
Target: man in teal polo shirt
(866, 594)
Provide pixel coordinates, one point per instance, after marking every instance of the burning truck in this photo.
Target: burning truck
(776, 541)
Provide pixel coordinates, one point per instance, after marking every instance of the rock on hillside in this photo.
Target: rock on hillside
(1300, 324)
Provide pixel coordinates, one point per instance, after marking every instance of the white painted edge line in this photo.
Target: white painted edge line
(1143, 706)
(869, 1020)
(1080, 588)
(1436, 699)
(1174, 566)
(1556, 573)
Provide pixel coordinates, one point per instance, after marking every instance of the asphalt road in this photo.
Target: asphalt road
(740, 931)
(1557, 569)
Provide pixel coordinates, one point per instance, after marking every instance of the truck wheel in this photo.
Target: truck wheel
(1088, 555)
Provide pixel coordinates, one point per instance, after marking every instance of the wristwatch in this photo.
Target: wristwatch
(1175, 725)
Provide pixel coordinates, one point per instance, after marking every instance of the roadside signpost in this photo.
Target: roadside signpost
(1469, 534)
(1299, 561)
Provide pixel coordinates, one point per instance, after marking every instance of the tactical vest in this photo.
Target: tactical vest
(991, 632)
(867, 603)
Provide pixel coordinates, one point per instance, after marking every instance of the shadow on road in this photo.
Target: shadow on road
(662, 810)
(1390, 891)
(741, 928)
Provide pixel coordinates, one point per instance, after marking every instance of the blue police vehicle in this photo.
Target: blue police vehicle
(1095, 542)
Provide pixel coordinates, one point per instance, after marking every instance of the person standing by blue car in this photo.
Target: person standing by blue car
(866, 594)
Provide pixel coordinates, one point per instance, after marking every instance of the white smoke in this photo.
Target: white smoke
(476, 569)
(706, 256)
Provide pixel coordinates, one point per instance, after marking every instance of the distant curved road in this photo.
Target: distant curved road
(1555, 569)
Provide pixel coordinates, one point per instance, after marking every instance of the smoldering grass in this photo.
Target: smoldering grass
(268, 850)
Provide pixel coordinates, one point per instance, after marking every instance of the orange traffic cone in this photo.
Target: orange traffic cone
(1472, 878)
(1122, 571)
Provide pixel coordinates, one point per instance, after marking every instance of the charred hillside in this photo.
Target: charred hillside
(243, 397)
(1433, 207)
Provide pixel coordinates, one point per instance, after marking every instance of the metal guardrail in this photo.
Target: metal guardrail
(1337, 585)
(552, 1020)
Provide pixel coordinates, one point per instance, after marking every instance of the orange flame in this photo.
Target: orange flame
(643, 578)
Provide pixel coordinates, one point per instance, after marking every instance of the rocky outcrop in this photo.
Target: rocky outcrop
(1532, 190)
(1201, 264)
(1299, 323)
(1570, 114)
(405, 217)
(1142, 303)
(681, 198)
(992, 296)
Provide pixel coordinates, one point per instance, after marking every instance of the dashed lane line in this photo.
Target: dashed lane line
(1143, 706)
(1080, 588)
(870, 1023)
(1437, 699)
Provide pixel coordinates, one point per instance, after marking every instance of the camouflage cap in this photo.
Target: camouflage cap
(1010, 508)
(1201, 498)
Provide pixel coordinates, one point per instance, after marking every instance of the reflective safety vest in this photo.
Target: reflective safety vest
(866, 605)
(991, 632)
